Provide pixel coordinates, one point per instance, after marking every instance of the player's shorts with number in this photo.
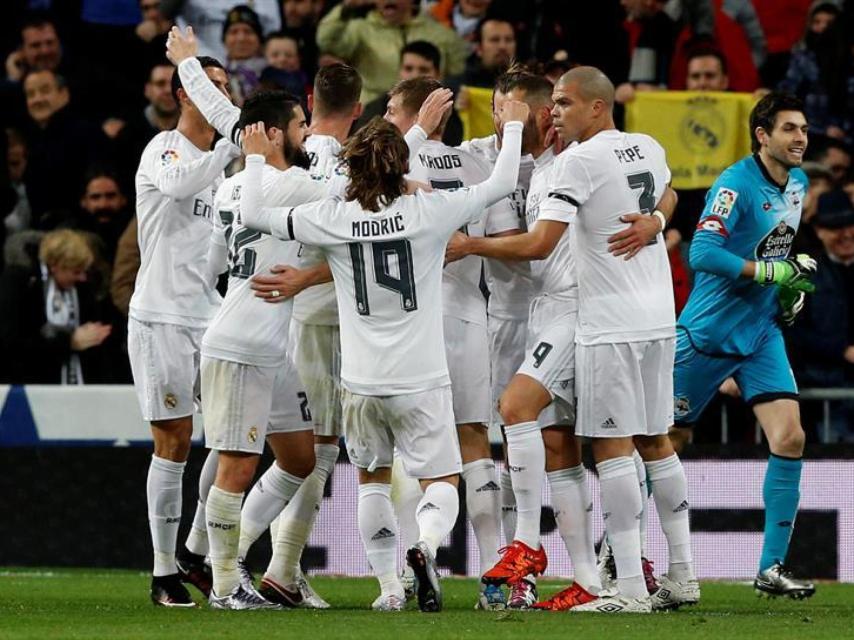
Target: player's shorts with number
(467, 351)
(507, 338)
(244, 403)
(550, 354)
(164, 360)
(317, 353)
(421, 426)
(624, 389)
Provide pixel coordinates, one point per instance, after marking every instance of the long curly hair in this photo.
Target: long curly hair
(376, 158)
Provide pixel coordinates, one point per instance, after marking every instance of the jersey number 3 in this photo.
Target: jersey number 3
(646, 200)
(383, 253)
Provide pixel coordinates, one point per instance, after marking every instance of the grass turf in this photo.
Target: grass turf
(114, 604)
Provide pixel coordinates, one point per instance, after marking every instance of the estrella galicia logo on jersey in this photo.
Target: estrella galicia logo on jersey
(713, 224)
(777, 243)
(681, 406)
(168, 157)
(724, 202)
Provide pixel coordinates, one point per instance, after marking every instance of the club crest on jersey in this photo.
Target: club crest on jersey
(724, 202)
(777, 243)
(168, 157)
(794, 198)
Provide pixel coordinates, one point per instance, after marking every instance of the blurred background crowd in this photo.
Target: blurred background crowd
(86, 86)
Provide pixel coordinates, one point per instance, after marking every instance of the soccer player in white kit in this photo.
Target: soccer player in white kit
(537, 406)
(250, 387)
(173, 302)
(274, 490)
(625, 334)
(386, 251)
(466, 338)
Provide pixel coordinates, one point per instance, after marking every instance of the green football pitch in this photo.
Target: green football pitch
(114, 604)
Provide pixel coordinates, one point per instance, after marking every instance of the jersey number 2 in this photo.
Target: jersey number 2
(403, 283)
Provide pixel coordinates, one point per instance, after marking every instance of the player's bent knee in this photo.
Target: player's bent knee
(381, 475)
(654, 447)
(789, 442)
(172, 438)
(235, 471)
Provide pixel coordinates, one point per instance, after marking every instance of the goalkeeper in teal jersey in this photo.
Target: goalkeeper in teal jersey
(745, 285)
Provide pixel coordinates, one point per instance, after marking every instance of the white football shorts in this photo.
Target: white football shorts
(242, 404)
(317, 354)
(164, 360)
(467, 352)
(506, 352)
(420, 425)
(625, 389)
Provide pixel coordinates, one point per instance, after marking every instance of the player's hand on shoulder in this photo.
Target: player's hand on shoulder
(514, 110)
(434, 108)
(181, 45)
(413, 185)
(457, 248)
(641, 231)
(283, 283)
(255, 140)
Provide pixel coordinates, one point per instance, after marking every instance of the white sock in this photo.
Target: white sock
(670, 491)
(621, 506)
(483, 504)
(223, 515)
(508, 506)
(264, 503)
(640, 469)
(573, 508)
(379, 535)
(163, 489)
(297, 520)
(406, 493)
(197, 539)
(437, 513)
(526, 460)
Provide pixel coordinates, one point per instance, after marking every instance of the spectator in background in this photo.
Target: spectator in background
(707, 71)
(372, 39)
(283, 70)
(19, 217)
(61, 146)
(55, 333)
(652, 36)
(153, 30)
(462, 16)
(494, 48)
(243, 38)
(208, 17)
(300, 22)
(835, 156)
(819, 72)
(821, 182)
(418, 59)
(160, 114)
(103, 213)
(125, 268)
(823, 336)
(40, 48)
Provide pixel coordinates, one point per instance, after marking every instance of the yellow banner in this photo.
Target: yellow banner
(477, 115)
(702, 132)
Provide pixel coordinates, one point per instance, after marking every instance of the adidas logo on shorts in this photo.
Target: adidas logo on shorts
(608, 424)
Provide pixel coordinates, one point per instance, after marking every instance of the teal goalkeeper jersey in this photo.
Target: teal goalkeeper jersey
(750, 216)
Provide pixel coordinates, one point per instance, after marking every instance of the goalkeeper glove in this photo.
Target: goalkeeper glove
(793, 273)
(791, 304)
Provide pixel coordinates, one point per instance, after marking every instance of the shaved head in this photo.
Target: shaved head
(592, 84)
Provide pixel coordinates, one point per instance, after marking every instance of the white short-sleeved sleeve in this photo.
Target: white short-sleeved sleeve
(570, 188)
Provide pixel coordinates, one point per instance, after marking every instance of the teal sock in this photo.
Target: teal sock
(781, 493)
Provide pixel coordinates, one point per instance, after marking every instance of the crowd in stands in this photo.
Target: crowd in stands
(87, 85)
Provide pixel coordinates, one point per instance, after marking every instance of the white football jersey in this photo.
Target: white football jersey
(612, 174)
(175, 186)
(510, 284)
(443, 167)
(246, 329)
(557, 273)
(388, 281)
(317, 305)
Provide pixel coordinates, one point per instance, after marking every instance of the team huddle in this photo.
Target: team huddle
(355, 308)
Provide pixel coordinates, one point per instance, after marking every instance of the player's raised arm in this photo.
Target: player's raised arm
(179, 180)
(181, 49)
(430, 116)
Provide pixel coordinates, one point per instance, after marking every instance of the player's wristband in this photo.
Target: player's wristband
(661, 218)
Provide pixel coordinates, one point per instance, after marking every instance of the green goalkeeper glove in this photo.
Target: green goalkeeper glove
(793, 273)
(791, 304)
